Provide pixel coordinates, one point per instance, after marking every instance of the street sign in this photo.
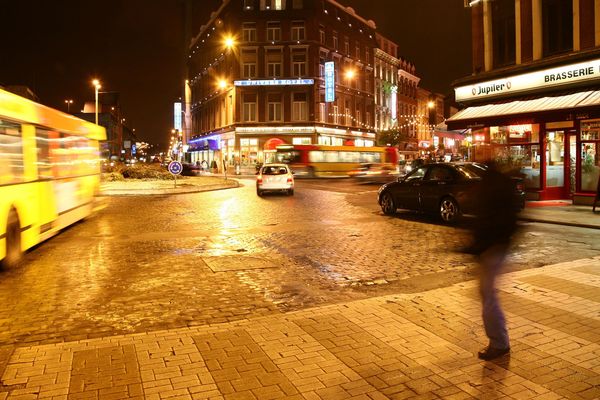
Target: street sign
(175, 167)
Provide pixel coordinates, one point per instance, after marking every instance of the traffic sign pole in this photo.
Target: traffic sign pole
(175, 168)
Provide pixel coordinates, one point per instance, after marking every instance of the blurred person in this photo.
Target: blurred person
(495, 223)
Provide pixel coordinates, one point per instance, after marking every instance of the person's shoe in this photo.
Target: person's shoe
(490, 353)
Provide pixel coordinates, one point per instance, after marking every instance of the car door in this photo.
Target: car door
(407, 193)
(437, 183)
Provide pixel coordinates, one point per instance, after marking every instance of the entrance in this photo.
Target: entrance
(560, 164)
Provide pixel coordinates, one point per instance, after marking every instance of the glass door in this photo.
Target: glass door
(572, 157)
(555, 164)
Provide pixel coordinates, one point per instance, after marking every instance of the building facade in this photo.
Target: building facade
(533, 102)
(257, 80)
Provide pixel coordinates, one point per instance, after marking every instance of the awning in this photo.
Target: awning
(272, 144)
(449, 135)
(565, 102)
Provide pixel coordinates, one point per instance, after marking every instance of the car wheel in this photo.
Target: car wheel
(13, 241)
(259, 192)
(387, 204)
(449, 211)
(290, 192)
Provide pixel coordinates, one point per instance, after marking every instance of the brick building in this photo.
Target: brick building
(256, 79)
(533, 100)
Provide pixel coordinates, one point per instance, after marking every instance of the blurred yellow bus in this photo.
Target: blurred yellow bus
(49, 173)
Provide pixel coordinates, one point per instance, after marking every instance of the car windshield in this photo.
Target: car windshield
(274, 170)
(471, 171)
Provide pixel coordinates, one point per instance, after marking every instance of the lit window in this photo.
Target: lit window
(275, 107)
(299, 107)
(249, 108)
(299, 64)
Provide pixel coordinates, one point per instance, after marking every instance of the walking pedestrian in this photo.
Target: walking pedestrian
(495, 223)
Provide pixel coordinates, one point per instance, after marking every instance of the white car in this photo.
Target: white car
(275, 177)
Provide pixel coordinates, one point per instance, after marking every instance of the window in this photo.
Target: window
(590, 154)
(299, 64)
(248, 63)
(439, 173)
(11, 156)
(367, 56)
(272, 4)
(249, 32)
(301, 140)
(335, 40)
(248, 4)
(322, 112)
(274, 65)
(273, 32)
(299, 107)
(503, 32)
(322, 36)
(297, 4)
(298, 32)
(417, 175)
(358, 120)
(357, 52)
(346, 47)
(248, 151)
(249, 108)
(336, 115)
(274, 107)
(348, 117)
(557, 26)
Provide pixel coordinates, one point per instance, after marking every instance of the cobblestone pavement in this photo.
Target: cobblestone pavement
(166, 262)
(403, 346)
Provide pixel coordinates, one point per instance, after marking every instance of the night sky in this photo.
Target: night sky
(56, 47)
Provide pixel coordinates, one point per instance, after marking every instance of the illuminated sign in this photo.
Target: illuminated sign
(553, 77)
(329, 82)
(177, 115)
(274, 82)
(394, 101)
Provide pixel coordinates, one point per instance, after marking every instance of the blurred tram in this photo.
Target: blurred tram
(326, 161)
(49, 173)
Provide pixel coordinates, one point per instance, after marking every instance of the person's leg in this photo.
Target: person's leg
(493, 317)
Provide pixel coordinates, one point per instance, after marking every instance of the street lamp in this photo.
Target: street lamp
(350, 74)
(97, 87)
(68, 103)
(222, 84)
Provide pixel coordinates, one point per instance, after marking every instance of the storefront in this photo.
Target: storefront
(543, 124)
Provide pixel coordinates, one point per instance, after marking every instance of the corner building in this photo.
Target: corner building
(533, 100)
(256, 78)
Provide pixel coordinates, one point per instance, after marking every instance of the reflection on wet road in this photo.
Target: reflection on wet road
(148, 263)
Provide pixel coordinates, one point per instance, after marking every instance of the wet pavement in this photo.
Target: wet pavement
(163, 262)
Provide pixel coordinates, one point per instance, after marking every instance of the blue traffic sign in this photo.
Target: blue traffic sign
(175, 167)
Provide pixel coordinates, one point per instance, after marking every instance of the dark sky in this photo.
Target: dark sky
(56, 47)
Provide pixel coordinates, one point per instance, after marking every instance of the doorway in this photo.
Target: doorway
(560, 164)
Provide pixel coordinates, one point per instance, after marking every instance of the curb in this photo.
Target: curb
(167, 192)
(554, 222)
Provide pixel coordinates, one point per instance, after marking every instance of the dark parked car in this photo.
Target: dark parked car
(445, 189)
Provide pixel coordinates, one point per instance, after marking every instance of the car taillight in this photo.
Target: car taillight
(259, 180)
(289, 179)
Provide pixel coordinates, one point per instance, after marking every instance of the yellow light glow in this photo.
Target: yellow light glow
(350, 74)
(96, 83)
(222, 84)
(229, 42)
(431, 104)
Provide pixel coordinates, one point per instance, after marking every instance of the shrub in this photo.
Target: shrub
(146, 171)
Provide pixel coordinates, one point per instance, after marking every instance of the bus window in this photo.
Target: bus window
(316, 156)
(44, 166)
(349, 157)
(11, 153)
(332, 156)
(369, 157)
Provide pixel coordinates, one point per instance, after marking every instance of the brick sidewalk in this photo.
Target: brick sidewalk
(403, 346)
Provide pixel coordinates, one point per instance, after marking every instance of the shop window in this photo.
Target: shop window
(248, 151)
(590, 158)
(557, 26)
(503, 32)
(301, 140)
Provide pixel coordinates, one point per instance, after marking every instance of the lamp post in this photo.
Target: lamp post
(97, 87)
(68, 103)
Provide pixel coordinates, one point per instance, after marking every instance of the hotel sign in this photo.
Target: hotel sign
(177, 116)
(329, 82)
(552, 77)
(274, 82)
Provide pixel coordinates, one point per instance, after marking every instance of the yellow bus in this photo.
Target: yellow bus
(49, 173)
(326, 161)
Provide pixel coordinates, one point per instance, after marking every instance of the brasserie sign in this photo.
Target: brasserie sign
(552, 77)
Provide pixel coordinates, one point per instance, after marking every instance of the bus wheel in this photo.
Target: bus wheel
(13, 241)
(311, 172)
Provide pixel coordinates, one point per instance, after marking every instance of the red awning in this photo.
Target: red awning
(272, 144)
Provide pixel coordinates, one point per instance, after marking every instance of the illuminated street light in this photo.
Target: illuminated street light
(430, 104)
(68, 103)
(229, 42)
(350, 74)
(222, 84)
(97, 87)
